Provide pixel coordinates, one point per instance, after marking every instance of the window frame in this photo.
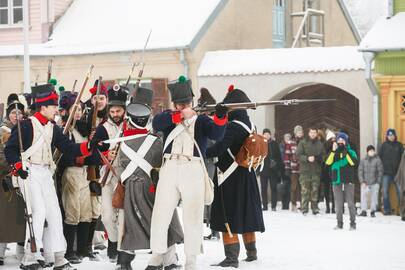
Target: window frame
(11, 13)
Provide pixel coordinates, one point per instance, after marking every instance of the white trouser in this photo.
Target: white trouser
(109, 214)
(45, 207)
(179, 179)
(121, 228)
(165, 259)
(365, 192)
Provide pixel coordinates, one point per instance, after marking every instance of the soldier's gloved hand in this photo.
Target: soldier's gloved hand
(7, 184)
(19, 171)
(95, 188)
(221, 110)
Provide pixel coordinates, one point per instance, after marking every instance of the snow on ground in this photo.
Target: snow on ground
(296, 242)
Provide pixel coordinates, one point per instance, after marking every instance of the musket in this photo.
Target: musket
(142, 63)
(74, 86)
(26, 193)
(91, 170)
(49, 70)
(254, 105)
(131, 94)
(56, 155)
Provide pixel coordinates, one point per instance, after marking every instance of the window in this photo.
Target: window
(278, 24)
(11, 12)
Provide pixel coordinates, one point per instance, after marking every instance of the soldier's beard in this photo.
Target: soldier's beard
(117, 120)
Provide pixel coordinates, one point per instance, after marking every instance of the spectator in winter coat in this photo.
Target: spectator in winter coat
(273, 171)
(311, 153)
(390, 153)
(370, 176)
(291, 155)
(325, 175)
(343, 160)
(400, 180)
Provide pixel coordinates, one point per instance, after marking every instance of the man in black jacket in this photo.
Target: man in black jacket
(273, 170)
(390, 153)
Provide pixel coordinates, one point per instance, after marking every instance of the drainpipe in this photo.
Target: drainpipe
(369, 58)
(390, 12)
(184, 62)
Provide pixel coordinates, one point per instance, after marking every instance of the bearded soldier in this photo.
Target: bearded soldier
(76, 199)
(111, 128)
(182, 174)
(40, 136)
(12, 226)
(100, 99)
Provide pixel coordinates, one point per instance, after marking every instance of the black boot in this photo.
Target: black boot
(339, 226)
(251, 252)
(353, 226)
(70, 235)
(124, 260)
(231, 254)
(327, 208)
(35, 266)
(90, 253)
(112, 252)
(83, 229)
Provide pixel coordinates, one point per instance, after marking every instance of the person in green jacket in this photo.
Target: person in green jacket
(343, 160)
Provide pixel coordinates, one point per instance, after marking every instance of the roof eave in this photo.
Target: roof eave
(353, 27)
(382, 49)
(197, 38)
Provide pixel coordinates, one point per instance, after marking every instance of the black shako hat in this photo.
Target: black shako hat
(44, 95)
(180, 90)
(117, 95)
(12, 102)
(139, 110)
(235, 96)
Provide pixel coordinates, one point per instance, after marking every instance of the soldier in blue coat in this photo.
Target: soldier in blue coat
(182, 174)
(237, 199)
(40, 136)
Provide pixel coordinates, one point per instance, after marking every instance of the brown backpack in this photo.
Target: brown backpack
(254, 149)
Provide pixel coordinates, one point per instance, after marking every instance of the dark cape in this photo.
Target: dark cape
(12, 224)
(237, 200)
(140, 198)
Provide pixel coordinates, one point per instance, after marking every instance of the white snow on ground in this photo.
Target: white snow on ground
(295, 242)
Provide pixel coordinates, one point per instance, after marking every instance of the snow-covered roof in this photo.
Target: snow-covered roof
(102, 26)
(279, 61)
(387, 34)
(364, 13)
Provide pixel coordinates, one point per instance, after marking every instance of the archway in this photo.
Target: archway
(340, 114)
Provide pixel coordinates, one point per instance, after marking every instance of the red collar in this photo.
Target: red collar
(42, 119)
(135, 131)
